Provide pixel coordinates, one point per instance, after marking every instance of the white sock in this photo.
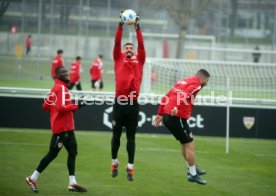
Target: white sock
(72, 180)
(114, 161)
(35, 175)
(192, 170)
(130, 166)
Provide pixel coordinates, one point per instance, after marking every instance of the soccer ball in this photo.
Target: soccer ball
(128, 17)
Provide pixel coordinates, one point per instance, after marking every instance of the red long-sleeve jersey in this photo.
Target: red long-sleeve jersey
(96, 70)
(61, 108)
(181, 96)
(74, 73)
(28, 42)
(128, 71)
(57, 62)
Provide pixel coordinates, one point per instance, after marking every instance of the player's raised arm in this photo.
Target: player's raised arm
(140, 41)
(118, 39)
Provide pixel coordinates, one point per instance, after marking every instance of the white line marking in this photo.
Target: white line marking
(265, 155)
(23, 144)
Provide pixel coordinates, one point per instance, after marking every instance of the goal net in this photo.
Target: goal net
(246, 80)
(158, 44)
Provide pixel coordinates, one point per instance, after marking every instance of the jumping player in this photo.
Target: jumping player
(175, 109)
(128, 66)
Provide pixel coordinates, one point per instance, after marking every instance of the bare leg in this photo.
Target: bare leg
(188, 152)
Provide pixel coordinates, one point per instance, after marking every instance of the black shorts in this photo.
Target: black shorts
(66, 139)
(179, 128)
(125, 114)
(93, 84)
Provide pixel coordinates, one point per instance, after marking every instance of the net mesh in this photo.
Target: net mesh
(247, 80)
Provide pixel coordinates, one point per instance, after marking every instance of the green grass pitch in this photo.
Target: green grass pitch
(249, 169)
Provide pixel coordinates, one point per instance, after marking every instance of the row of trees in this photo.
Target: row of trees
(182, 12)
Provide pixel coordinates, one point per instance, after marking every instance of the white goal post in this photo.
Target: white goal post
(238, 82)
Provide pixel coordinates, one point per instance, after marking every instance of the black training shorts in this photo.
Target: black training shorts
(179, 128)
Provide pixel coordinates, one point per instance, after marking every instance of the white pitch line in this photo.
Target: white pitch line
(159, 149)
(265, 155)
(23, 144)
(167, 150)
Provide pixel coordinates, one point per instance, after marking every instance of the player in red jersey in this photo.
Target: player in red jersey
(28, 44)
(175, 109)
(61, 109)
(57, 62)
(96, 73)
(74, 74)
(128, 67)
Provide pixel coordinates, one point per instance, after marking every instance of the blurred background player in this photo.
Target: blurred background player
(128, 68)
(28, 44)
(61, 109)
(74, 74)
(57, 62)
(175, 109)
(96, 73)
(256, 54)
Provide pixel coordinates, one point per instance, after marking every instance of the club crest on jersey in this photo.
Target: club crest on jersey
(248, 122)
(60, 144)
(113, 123)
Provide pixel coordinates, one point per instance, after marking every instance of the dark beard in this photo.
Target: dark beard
(203, 85)
(65, 80)
(129, 55)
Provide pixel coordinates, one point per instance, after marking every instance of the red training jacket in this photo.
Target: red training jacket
(28, 42)
(128, 72)
(61, 108)
(96, 70)
(181, 96)
(57, 62)
(74, 73)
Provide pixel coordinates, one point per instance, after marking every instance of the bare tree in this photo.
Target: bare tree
(65, 11)
(182, 12)
(233, 18)
(3, 8)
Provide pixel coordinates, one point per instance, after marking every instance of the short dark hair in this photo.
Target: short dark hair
(57, 70)
(78, 58)
(128, 43)
(203, 73)
(100, 56)
(60, 51)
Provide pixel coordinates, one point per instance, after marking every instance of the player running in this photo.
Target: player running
(61, 109)
(57, 62)
(128, 68)
(74, 74)
(175, 109)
